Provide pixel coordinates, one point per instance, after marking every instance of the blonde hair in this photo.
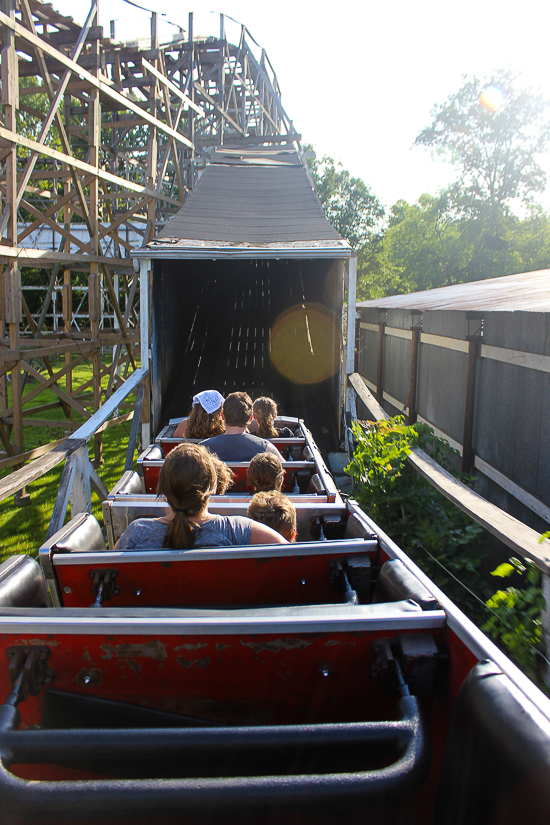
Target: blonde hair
(201, 424)
(265, 472)
(187, 479)
(265, 413)
(276, 511)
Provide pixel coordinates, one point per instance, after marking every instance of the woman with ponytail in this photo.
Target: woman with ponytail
(265, 413)
(187, 479)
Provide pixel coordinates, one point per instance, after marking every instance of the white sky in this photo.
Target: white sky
(359, 79)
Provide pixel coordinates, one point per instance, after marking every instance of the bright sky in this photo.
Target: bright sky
(359, 79)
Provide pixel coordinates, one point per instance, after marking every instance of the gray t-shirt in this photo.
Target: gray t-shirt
(241, 447)
(222, 531)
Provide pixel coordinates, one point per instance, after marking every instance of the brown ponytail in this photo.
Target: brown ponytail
(265, 413)
(187, 479)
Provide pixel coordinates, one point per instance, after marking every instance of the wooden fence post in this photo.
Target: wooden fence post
(475, 324)
(416, 330)
(380, 361)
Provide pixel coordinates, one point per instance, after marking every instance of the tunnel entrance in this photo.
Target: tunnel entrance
(268, 327)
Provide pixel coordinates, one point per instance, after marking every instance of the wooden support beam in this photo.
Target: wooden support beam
(43, 257)
(103, 85)
(474, 349)
(380, 362)
(171, 86)
(135, 428)
(416, 330)
(74, 163)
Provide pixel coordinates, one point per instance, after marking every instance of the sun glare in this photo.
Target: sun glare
(492, 98)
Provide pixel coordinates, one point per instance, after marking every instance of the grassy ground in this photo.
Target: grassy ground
(23, 529)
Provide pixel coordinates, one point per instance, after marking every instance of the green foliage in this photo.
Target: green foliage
(439, 537)
(428, 245)
(348, 202)
(494, 146)
(515, 620)
(469, 231)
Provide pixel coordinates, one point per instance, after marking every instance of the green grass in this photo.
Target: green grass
(23, 529)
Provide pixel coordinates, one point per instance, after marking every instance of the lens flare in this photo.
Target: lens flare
(304, 343)
(492, 98)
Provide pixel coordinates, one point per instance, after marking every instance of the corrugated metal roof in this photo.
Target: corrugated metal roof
(247, 198)
(526, 292)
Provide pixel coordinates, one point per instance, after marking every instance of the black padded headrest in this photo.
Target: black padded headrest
(496, 765)
(22, 583)
(395, 583)
(81, 534)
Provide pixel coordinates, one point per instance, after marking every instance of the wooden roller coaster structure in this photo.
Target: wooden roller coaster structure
(100, 142)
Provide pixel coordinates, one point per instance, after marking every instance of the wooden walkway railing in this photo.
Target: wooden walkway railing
(520, 538)
(78, 474)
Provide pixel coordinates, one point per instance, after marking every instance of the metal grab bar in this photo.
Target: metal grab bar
(139, 799)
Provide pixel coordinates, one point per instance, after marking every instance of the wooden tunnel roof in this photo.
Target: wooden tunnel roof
(525, 292)
(251, 202)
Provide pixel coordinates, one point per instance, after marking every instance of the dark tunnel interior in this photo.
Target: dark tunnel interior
(269, 327)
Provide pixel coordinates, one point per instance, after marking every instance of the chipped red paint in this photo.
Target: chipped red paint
(231, 581)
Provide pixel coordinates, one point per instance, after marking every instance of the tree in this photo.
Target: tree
(493, 132)
(423, 247)
(348, 202)
(426, 245)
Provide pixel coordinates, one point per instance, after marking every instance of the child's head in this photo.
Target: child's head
(265, 472)
(265, 413)
(276, 511)
(224, 475)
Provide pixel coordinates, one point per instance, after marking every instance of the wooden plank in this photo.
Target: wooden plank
(352, 302)
(75, 163)
(29, 257)
(62, 499)
(168, 83)
(512, 532)
(443, 341)
(135, 427)
(219, 109)
(530, 360)
(30, 455)
(16, 481)
(88, 429)
(56, 349)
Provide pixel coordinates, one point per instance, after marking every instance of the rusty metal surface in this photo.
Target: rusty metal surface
(528, 291)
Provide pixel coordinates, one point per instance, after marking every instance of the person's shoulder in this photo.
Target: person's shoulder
(141, 531)
(258, 440)
(242, 521)
(148, 525)
(214, 439)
